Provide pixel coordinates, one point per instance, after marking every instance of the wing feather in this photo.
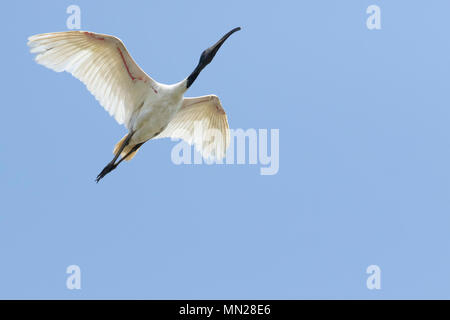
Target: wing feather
(203, 122)
(102, 63)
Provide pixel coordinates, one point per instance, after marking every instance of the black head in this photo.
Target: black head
(208, 55)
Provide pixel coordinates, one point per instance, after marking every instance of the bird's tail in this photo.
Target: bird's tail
(126, 150)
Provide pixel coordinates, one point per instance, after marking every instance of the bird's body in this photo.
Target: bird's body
(147, 108)
(156, 112)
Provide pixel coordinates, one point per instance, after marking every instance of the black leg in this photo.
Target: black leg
(112, 165)
(124, 144)
(132, 150)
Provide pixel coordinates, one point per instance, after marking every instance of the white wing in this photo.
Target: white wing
(102, 63)
(201, 121)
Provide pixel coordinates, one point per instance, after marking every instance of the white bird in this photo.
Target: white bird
(147, 108)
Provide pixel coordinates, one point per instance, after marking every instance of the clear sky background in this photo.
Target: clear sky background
(364, 172)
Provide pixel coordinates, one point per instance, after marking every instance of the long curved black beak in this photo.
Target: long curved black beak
(207, 56)
(219, 43)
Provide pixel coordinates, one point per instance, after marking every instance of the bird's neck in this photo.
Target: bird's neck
(190, 80)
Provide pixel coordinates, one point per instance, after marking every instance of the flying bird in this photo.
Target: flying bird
(147, 108)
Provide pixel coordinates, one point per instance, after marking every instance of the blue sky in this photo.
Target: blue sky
(364, 174)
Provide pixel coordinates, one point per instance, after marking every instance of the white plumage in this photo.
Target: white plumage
(211, 136)
(147, 108)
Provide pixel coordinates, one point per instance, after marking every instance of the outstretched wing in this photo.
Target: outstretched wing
(201, 121)
(102, 63)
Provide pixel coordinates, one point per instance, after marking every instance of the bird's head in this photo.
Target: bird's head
(208, 55)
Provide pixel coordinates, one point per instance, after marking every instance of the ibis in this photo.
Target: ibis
(147, 108)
